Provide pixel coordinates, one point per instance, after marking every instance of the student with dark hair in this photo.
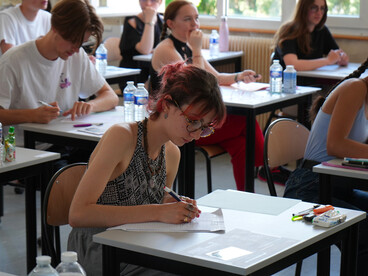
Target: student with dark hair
(140, 36)
(185, 44)
(340, 129)
(22, 23)
(305, 41)
(143, 157)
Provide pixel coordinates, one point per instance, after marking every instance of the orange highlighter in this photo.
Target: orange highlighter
(321, 210)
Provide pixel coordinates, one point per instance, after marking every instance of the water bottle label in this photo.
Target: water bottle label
(213, 40)
(140, 100)
(128, 97)
(101, 56)
(276, 74)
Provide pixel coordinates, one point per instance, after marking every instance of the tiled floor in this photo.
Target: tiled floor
(12, 226)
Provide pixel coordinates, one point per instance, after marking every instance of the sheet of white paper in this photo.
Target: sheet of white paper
(254, 203)
(110, 117)
(252, 86)
(207, 222)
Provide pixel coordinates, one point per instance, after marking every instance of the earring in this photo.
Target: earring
(166, 115)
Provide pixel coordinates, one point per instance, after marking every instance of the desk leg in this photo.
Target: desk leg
(31, 225)
(187, 170)
(238, 64)
(349, 252)
(29, 142)
(249, 152)
(323, 262)
(110, 261)
(325, 192)
(45, 178)
(1, 200)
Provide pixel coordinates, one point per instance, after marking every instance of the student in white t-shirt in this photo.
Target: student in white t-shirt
(22, 23)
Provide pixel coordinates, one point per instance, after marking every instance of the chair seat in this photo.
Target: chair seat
(213, 150)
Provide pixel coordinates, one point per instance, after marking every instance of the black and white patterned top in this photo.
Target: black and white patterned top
(134, 186)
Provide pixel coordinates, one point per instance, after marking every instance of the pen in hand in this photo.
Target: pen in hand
(46, 104)
(172, 193)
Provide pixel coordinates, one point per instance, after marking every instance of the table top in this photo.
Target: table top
(28, 157)
(252, 99)
(248, 233)
(114, 72)
(205, 53)
(331, 71)
(345, 172)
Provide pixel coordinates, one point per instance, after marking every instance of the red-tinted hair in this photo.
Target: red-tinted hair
(188, 84)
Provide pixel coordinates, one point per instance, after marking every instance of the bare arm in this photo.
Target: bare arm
(5, 46)
(333, 57)
(344, 107)
(106, 99)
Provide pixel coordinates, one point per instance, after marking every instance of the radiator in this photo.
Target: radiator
(257, 52)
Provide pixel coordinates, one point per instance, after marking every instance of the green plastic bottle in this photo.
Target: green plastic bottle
(10, 145)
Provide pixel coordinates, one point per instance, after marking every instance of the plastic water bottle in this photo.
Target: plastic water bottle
(276, 77)
(224, 35)
(140, 102)
(289, 79)
(9, 145)
(214, 44)
(129, 92)
(69, 265)
(43, 267)
(101, 59)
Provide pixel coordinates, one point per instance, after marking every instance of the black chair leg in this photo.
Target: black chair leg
(209, 177)
(298, 268)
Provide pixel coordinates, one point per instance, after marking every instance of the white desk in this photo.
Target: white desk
(334, 72)
(222, 58)
(114, 74)
(249, 104)
(186, 253)
(33, 164)
(325, 173)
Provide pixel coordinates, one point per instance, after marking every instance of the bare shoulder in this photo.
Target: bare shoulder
(163, 54)
(352, 88)
(172, 151)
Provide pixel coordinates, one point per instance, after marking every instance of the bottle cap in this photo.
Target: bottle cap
(276, 61)
(43, 260)
(140, 84)
(69, 256)
(11, 129)
(130, 82)
(290, 66)
(224, 17)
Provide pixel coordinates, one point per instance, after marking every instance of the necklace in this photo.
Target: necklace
(153, 171)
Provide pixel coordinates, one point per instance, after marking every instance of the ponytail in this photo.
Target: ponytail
(164, 32)
(318, 102)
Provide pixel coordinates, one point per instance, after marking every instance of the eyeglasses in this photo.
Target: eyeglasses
(195, 125)
(152, 1)
(315, 8)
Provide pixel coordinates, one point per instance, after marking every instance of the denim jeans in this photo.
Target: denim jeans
(304, 184)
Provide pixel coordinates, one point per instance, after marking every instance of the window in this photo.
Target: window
(344, 16)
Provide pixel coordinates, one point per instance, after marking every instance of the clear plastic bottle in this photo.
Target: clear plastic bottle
(43, 267)
(101, 59)
(214, 44)
(224, 35)
(69, 265)
(276, 77)
(140, 102)
(129, 92)
(9, 145)
(289, 79)
(1, 146)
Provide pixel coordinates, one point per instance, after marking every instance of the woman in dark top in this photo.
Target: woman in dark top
(141, 34)
(185, 44)
(305, 41)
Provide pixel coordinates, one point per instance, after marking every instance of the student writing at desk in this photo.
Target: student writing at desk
(55, 70)
(340, 129)
(140, 36)
(23, 23)
(185, 44)
(305, 41)
(130, 166)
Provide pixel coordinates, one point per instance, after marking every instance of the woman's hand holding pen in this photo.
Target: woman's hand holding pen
(247, 76)
(46, 113)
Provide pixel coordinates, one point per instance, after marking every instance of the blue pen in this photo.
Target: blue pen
(172, 193)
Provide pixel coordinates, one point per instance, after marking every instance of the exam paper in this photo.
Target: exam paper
(207, 222)
(251, 86)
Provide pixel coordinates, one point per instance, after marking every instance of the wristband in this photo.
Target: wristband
(149, 23)
(236, 78)
(199, 56)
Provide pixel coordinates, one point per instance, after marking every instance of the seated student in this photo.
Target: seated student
(340, 129)
(141, 34)
(185, 44)
(22, 23)
(305, 41)
(143, 157)
(55, 70)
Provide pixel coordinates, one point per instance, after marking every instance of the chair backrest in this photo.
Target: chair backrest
(285, 141)
(113, 50)
(57, 200)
